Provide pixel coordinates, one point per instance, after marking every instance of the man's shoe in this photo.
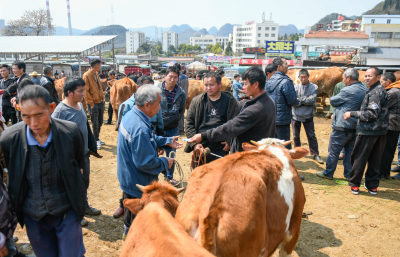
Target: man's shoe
(118, 213)
(84, 222)
(397, 177)
(341, 156)
(92, 211)
(108, 123)
(318, 159)
(373, 191)
(322, 175)
(174, 182)
(396, 169)
(355, 190)
(301, 177)
(101, 142)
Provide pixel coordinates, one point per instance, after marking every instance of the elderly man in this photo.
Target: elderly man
(388, 80)
(137, 158)
(371, 134)
(45, 184)
(255, 121)
(343, 132)
(303, 113)
(94, 97)
(280, 88)
(48, 82)
(207, 111)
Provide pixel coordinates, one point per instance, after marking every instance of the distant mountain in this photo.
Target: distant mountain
(213, 31)
(328, 19)
(120, 31)
(225, 30)
(288, 30)
(62, 31)
(180, 28)
(200, 33)
(386, 7)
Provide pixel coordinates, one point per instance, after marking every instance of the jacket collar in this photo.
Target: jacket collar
(252, 101)
(142, 116)
(374, 86)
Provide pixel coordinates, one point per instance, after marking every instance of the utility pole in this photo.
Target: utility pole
(48, 18)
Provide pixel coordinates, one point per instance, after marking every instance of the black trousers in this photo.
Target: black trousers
(9, 113)
(310, 132)
(128, 216)
(110, 113)
(283, 132)
(367, 149)
(96, 115)
(388, 154)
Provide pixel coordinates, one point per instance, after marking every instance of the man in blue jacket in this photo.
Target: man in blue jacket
(281, 89)
(373, 123)
(137, 158)
(343, 133)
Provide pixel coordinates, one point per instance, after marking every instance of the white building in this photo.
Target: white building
(385, 29)
(205, 40)
(134, 39)
(254, 34)
(169, 38)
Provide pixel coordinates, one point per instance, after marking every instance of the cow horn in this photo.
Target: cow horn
(286, 143)
(180, 190)
(254, 143)
(140, 187)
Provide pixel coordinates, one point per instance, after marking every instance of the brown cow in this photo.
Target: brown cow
(154, 232)
(120, 92)
(325, 79)
(247, 203)
(59, 85)
(397, 75)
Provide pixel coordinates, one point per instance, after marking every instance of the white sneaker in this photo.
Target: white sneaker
(102, 143)
(98, 145)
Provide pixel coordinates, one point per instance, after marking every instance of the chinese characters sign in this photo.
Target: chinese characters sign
(280, 47)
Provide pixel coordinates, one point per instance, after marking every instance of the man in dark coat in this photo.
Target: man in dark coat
(45, 185)
(255, 121)
(47, 82)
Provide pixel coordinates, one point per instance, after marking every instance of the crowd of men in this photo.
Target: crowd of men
(48, 186)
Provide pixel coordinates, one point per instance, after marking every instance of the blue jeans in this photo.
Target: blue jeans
(283, 132)
(56, 236)
(170, 133)
(340, 140)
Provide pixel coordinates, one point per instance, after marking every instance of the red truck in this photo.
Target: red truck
(145, 70)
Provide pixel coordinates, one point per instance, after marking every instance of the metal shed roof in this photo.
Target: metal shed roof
(50, 44)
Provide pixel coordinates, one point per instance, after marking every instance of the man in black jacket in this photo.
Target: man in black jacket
(371, 134)
(47, 82)
(45, 184)
(255, 121)
(8, 111)
(210, 110)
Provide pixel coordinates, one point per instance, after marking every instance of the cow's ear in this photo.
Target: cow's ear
(298, 152)
(133, 205)
(248, 147)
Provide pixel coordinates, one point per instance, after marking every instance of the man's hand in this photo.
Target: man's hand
(13, 101)
(170, 162)
(82, 171)
(196, 139)
(198, 149)
(160, 151)
(346, 115)
(226, 146)
(175, 144)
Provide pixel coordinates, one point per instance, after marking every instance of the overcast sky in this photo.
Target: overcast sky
(87, 14)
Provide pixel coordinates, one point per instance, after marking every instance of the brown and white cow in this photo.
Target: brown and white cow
(120, 92)
(154, 232)
(247, 203)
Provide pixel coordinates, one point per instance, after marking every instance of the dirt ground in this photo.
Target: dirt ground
(339, 224)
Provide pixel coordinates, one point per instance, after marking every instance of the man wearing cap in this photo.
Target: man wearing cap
(35, 78)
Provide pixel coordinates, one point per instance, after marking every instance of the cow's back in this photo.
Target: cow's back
(154, 233)
(326, 79)
(195, 88)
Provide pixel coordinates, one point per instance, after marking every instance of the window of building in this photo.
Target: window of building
(266, 28)
(258, 41)
(259, 35)
(384, 35)
(272, 35)
(388, 21)
(259, 28)
(273, 28)
(396, 35)
(373, 35)
(266, 34)
(372, 21)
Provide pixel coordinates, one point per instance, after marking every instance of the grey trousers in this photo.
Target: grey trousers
(96, 115)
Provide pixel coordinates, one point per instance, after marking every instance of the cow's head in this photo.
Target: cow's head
(160, 192)
(296, 153)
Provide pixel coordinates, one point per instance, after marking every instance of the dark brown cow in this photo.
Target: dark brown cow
(154, 232)
(247, 203)
(120, 92)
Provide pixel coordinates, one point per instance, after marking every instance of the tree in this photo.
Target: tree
(157, 49)
(216, 49)
(208, 48)
(144, 48)
(171, 50)
(228, 49)
(31, 23)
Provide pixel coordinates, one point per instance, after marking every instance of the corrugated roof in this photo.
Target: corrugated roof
(337, 34)
(50, 44)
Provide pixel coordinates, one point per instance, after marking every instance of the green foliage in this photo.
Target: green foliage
(228, 49)
(144, 48)
(208, 48)
(216, 49)
(186, 48)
